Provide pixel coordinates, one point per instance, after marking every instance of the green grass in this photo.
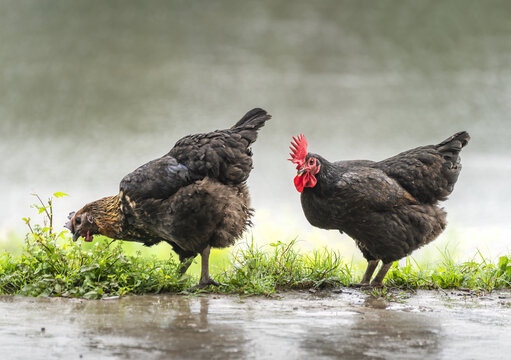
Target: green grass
(480, 275)
(51, 264)
(282, 267)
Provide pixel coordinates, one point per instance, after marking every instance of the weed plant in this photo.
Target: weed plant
(51, 264)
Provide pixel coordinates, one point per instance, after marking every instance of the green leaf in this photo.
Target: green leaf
(91, 295)
(59, 194)
(503, 263)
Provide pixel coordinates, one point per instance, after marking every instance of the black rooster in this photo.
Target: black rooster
(194, 198)
(390, 207)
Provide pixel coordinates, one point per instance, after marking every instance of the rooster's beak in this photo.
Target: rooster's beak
(300, 171)
(76, 235)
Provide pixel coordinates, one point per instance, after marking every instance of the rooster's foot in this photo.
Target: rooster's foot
(376, 285)
(368, 286)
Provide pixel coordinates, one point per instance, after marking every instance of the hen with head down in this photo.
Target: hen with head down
(194, 198)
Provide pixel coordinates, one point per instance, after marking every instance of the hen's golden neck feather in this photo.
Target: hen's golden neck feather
(107, 215)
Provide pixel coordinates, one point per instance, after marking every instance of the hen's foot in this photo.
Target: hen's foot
(205, 283)
(361, 284)
(205, 279)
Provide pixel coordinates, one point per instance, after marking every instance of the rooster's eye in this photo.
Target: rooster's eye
(78, 220)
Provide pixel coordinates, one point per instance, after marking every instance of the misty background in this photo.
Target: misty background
(90, 90)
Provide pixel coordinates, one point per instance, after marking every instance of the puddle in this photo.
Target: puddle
(348, 325)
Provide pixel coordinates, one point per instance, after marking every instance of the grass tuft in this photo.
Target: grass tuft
(254, 271)
(484, 275)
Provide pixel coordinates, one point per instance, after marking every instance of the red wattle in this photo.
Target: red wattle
(305, 180)
(299, 183)
(312, 181)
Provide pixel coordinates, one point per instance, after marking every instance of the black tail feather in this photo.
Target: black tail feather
(454, 143)
(450, 149)
(250, 123)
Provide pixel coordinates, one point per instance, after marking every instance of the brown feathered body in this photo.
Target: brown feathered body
(193, 198)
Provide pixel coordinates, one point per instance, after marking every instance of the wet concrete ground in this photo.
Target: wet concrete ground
(297, 325)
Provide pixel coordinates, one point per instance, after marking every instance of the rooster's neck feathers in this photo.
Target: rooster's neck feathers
(325, 169)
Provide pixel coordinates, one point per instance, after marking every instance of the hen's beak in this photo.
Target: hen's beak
(69, 225)
(300, 171)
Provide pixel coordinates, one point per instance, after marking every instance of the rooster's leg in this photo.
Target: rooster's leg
(371, 266)
(378, 279)
(205, 280)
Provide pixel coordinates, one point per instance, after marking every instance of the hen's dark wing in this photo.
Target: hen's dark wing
(428, 172)
(368, 189)
(158, 179)
(220, 155)
(345, 164)
(223, 154)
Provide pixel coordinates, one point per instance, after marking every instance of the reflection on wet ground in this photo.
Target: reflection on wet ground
(348, 325)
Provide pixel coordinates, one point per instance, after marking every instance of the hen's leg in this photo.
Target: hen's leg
(371, 266)
(205, 280)
(185, 264)
(185, 257)
(366, 279)
(378, 279)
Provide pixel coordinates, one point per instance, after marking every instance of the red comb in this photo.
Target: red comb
(298, 150)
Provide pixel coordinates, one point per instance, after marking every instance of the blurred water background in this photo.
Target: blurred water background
(90, 90)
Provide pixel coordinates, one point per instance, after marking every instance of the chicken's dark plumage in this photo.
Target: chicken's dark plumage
(390, 208)
(195, 197)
